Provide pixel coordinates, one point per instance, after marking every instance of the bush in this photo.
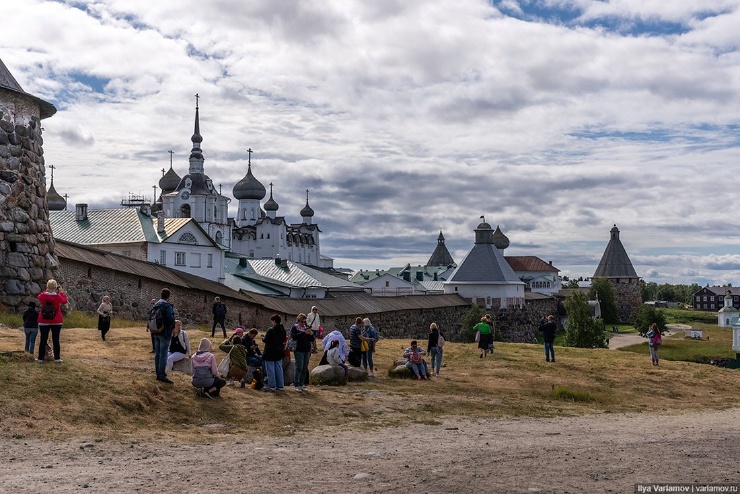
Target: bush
(646, 315)
(602, 289)
(470, 319)
(582, 330)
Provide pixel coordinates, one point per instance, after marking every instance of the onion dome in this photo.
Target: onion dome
(271, 205)
(307, 212)
(169, 181)
(500, 240)
(54, 200)
(249, 187)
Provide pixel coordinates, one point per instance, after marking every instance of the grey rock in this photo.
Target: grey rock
(8, 176)
(14, 287)
(357, 374)
(401, 372)
(328, 375)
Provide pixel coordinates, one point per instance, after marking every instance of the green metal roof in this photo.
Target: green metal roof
(112, 226)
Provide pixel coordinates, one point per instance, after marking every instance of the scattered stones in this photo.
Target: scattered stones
(328, 375)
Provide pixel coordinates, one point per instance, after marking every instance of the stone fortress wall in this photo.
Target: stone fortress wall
(27, 257)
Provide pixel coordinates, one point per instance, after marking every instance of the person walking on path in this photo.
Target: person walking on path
(219, 316)
(654, 341)
(272, 355)
(31, 326)
(484, 336)
(104, 312)
(163, 339)
(548, 328)
(51, 319)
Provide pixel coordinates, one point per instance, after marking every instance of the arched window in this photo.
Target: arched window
(219, 237)
(187, 238)
(185, 211)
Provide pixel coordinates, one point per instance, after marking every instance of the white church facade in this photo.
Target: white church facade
(257, 231)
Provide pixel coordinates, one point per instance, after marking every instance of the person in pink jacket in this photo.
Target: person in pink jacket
(51, 319)
(205, 371)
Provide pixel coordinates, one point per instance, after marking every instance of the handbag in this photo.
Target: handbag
(225, 365)
(477, 335)
(291, 345)
(364, 346)
(440, 341)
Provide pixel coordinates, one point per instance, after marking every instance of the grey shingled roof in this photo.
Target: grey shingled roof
(484, 264)
(441, 256)
(7, 81)
(615, 263)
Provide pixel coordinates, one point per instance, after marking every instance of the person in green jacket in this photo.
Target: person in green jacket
(238, 357)
(484, 336)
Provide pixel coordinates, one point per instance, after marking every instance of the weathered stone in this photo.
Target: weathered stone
(21, 130)
(8, 176)
(19, 216)
(24, 275)
(4, 138)
(14, 287)
(26, 144)
(14, 139)
(357, 374)
(182, 366)
(18, 260)
(36, 273)
(7, 226)
(15, 149)
(328, 375)
(401, 372)
(7, 126)
(13, 163)
(4, 154)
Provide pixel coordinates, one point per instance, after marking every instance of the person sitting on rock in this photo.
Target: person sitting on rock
(334, 357)
(415, 361)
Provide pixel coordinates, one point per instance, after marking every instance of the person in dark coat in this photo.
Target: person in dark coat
(162, 340)
(548, 328)
(272, 356)
(31, 326)
(219, 316)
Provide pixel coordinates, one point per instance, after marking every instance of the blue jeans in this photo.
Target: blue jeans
(549, 352)
(419, 369)
(31, 334)
(301, 368)
(274, 371)
(436, 356)
(367, 361)
(161, 349)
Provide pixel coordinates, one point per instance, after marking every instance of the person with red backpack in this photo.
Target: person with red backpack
(654, 342)
(51, 319)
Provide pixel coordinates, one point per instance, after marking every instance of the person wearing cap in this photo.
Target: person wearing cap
(205, 371)
(31, 326)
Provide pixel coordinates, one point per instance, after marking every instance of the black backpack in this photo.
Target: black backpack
(155, 325)
(48, 311)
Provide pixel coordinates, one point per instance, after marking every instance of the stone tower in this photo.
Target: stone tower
(616, 266)
(27, 258)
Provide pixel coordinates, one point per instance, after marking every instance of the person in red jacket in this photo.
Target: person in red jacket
(51, 319)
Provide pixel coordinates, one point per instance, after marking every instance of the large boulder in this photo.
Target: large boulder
(328, 375)
(182, 365)
(401, 372)
(357, 374)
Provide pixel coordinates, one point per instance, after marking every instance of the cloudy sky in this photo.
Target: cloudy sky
(553, 118)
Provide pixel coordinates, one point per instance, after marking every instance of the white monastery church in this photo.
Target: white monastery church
(257, 232)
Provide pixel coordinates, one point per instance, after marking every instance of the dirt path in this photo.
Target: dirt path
(602, 453)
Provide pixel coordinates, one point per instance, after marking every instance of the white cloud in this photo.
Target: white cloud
(404, 118)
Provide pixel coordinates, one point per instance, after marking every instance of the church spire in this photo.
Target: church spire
(196, 154)
(307, 212)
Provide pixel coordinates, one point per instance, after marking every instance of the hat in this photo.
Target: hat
(238, 331)
(205, 345)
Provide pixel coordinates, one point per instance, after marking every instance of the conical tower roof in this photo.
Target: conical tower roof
(615, 263)
(441, 256)
(7, 81)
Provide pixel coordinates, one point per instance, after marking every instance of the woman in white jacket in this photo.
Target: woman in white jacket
(179, 345)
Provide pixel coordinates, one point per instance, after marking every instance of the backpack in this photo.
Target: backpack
(657, 339)
(155, 325)
(48, 311)
(440, 341)
(220, 310)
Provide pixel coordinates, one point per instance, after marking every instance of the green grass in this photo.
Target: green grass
(716, 343)
(566, 394)
(72, 319)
